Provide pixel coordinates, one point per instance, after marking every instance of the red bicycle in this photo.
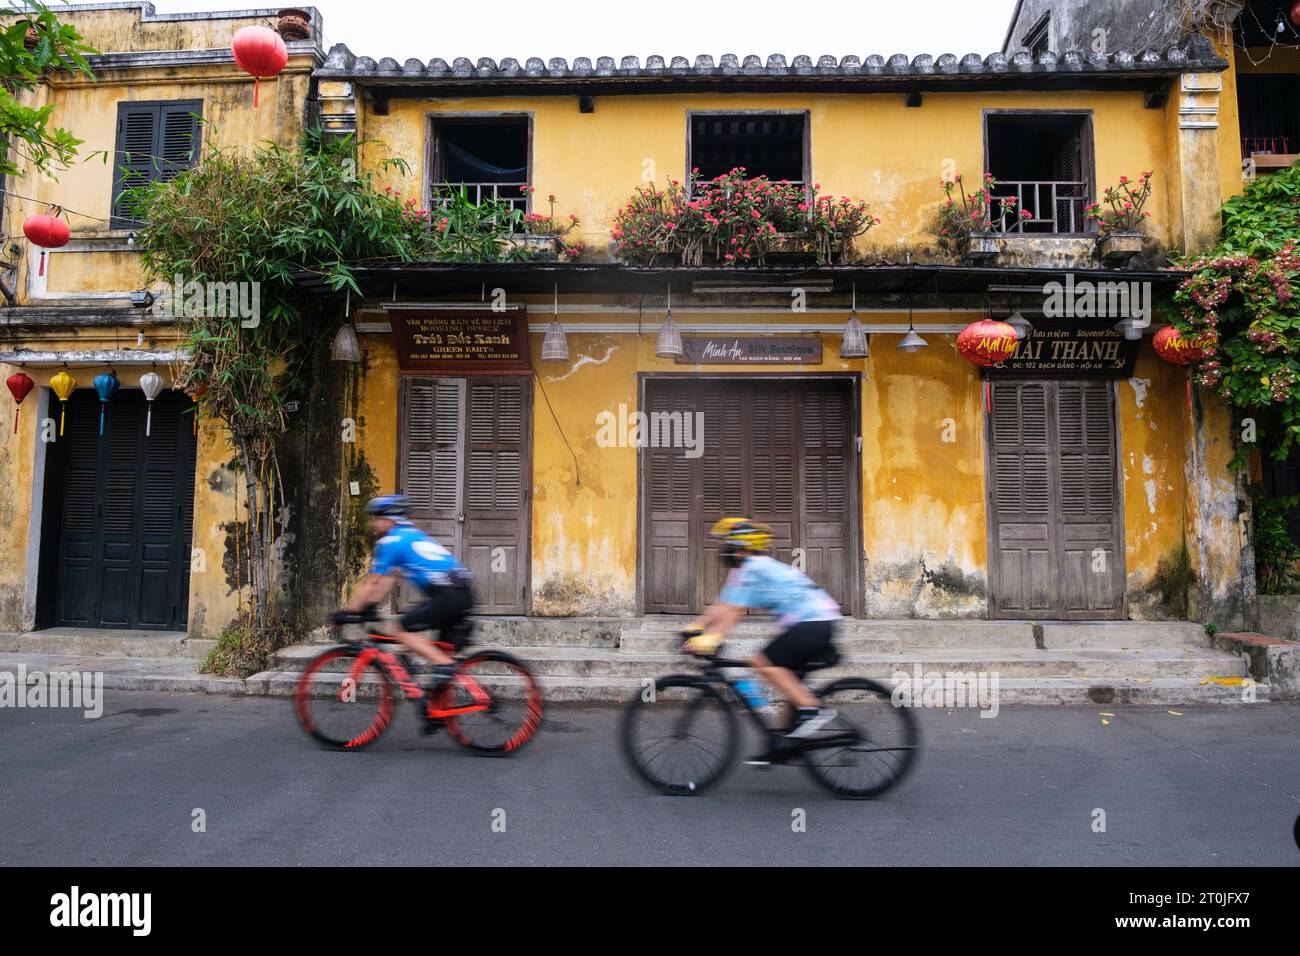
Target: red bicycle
(489, 702)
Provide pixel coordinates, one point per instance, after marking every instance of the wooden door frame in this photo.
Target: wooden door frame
(857, 596)
(1117, 491)
(526, 415)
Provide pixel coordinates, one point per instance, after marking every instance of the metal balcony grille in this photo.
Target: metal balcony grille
(478, 192)
(1056, 207)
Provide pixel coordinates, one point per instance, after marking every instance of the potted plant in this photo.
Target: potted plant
(1119, 226)
(967, 222)
(542, 235)
(294, 24)
(737, 220)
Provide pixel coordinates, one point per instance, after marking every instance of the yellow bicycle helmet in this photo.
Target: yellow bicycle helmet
(742, 534)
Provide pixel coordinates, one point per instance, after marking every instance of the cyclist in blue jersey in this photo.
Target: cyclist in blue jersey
(806, 613)
(403, 550)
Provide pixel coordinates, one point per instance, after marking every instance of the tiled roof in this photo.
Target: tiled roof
(1196, 55)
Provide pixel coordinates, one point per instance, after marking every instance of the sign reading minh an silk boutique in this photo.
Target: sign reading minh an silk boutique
(749, 349)
(460, 340)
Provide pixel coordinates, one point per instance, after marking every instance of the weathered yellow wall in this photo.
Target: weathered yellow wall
(866, 146)
(96, 262)
(923, 497)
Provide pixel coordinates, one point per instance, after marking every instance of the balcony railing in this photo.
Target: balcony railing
(1264, 144)
(1055, 206)
(478, 192)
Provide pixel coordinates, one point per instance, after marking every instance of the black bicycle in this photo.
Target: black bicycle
(681, 734)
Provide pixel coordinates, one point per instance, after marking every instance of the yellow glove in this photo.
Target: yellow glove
(705, 643)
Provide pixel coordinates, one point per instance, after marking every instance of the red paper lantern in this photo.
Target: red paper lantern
(20, 386)
(987, 342)
(48, 232)
(1180, 347)
(1295, 13)
(260, 52)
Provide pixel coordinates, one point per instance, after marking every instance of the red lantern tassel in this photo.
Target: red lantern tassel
(257, 86)
(41, 271)
(1189, 394)
(18, 413)
(988, 397)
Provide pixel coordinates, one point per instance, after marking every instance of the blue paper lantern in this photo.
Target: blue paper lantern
(105, 384)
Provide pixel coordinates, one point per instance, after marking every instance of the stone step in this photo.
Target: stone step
(106, 643)
(968, 633)
(523, 631)
(1007, 663)
(635, 641)
(1160, 691)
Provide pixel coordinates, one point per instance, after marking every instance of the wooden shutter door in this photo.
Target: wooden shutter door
(724, 469)
(1090, 559)
(827, 459)
(78, 582)
(431, 461)
(670, 585)
(166, 516)
(495, 537)
(1020, 454)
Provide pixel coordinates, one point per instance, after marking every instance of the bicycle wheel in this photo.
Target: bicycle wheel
(492, 706)
(682, 738)
(885, 740)
(344, 700)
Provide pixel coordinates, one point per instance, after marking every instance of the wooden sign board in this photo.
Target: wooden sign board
(749, 350)
(1097, 352)
(461, 341)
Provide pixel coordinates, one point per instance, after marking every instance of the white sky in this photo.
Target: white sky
(570, 28)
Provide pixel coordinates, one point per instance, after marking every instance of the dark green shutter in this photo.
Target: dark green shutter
(155, 141)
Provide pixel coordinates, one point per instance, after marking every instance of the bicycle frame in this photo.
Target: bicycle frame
(398, 666)
(713, 669)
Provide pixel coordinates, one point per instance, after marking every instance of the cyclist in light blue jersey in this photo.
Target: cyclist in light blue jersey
(806, 613)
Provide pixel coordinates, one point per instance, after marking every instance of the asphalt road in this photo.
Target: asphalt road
(1217, 785)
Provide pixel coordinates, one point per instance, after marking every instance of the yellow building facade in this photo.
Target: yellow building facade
(1082, 481)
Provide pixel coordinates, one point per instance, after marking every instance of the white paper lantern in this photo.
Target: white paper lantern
(151, 384)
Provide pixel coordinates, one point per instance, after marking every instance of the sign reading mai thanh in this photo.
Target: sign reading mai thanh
(749, 349)
(1072, 353)
(460, 340)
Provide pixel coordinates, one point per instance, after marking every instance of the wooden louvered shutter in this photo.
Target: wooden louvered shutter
(827, 463)
(670, 585)
(178, 138)
(431, 462)
(133, 164)
(1087, 524)
(79, 541)
(496, 492)
(723, 469)
(155, 141)
(166, 515)
(1021, 454)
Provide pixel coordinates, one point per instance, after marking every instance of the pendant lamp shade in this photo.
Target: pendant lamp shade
(853, 344)
(555, 346)
(1022, 325)
(912, 342)
(669, 342)
(346, 348)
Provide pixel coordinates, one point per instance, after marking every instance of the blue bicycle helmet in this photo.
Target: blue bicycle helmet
(389, 506)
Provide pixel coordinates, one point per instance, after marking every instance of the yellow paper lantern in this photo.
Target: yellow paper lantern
(64, 385)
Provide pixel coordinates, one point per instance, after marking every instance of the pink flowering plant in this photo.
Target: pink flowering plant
(964, 214)
(1123, 206)
(1245, 295)
(734, 219)
(556, 227)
